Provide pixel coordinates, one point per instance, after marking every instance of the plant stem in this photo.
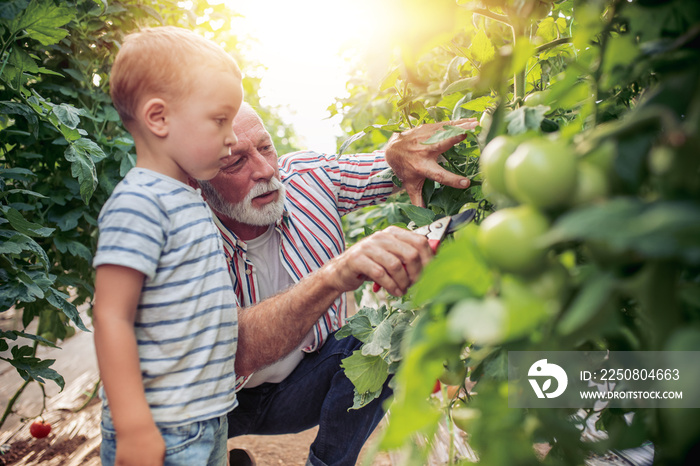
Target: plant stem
(489, 14)
(11, 402)
(450, 426)
(552, 44)
(15, 397)
(90, 397)
(43, 400)
(519, 78)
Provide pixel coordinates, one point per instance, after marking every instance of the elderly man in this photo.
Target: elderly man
(280, 224)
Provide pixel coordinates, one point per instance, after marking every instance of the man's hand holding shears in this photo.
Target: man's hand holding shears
(436, 231)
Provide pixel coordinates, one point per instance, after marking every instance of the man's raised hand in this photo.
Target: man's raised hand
(413, 161)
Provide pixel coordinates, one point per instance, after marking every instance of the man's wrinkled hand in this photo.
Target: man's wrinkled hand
(393, 258)
(413, 161)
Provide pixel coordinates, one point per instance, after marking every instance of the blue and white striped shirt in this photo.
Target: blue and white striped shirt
(320, 190)
(186, 324)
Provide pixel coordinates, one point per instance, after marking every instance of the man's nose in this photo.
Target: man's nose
(262, 167)
(231, 140)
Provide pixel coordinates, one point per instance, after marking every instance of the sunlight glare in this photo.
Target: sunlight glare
(308, 48)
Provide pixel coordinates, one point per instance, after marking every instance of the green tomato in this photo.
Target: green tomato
(550, 284)
(509, 238)
(541, 172)
(492, 162)
(454, 373)
(70, 331)
(464, 417)
(535, 98)
(49, 336)
(591, 185)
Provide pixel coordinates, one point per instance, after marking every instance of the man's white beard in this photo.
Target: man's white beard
(244, 212)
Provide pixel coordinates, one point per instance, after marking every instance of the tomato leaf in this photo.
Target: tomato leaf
(457, 262)
(587, 305)
(418, 215)
(447, 132)
(661, 230)
(60, 301)
(25, 227)
(367, 373)
(526, 119)
(42, 21)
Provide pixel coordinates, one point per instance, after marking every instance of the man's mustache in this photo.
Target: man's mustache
(264, 187)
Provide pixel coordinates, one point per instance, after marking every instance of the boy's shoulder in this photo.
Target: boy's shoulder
(145, 190)
(149, 183)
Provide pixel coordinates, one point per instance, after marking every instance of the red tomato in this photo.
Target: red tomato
(39, 429)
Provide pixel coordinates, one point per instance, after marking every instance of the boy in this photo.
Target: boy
(165, 312)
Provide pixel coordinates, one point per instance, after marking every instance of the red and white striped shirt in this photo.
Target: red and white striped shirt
(320, 190)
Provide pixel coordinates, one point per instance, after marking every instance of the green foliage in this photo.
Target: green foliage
(63, 149)
(617, 85)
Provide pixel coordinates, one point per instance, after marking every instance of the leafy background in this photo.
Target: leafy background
(62, 151)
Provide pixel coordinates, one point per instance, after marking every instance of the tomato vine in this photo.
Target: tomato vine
(606, 88)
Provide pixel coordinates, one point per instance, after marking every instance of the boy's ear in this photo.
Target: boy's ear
(154, 116)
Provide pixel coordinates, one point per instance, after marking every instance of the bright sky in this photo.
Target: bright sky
(304, 45)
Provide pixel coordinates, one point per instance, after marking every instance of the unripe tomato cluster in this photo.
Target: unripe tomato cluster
(532, 180)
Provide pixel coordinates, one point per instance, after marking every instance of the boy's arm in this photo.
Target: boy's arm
(117, 292)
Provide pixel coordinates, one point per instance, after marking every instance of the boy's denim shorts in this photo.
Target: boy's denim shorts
(200, 443)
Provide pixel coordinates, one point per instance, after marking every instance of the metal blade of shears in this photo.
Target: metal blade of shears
(460, 219)
(436, 231)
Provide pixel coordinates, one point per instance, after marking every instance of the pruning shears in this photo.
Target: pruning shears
(436, 231)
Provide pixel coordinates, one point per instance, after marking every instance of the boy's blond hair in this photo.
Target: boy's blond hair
(158, 61)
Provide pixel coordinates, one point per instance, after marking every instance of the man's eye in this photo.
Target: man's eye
(266, 148)
(236, 163)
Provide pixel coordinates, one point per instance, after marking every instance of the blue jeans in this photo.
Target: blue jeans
(316, 393)
(199, 443)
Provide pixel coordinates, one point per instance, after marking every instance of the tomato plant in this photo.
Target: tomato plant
(607, 92)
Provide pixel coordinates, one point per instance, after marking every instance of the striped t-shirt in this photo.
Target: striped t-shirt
(320, 189)
(186, 324)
